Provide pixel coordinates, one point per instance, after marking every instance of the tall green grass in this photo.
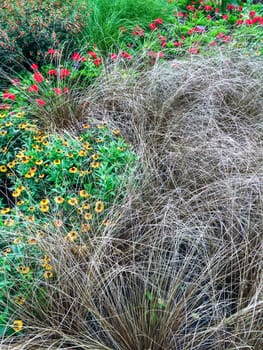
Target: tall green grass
(106, 18)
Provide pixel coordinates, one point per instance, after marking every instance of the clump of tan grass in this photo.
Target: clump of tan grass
(181, 267)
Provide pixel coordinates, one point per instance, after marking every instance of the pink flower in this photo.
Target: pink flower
(225, 16)
(64, 72)
(4, 106)
(33, 88)
(40, 102)
(208, 8)
(252, 13)
(178, 44)
(194, 50)
(180, 14)
(58, 91)
(66, 90)
(51, 51)
(212, 43)
(38, 77)
(209, 17)
(226, 38)
(114, 56)
(15, 81)
(92, 54)
(52, 72)
(34, 66)
(9, 96)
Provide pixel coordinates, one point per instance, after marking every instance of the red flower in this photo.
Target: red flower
(208, 8)
(180, 14)
(153, 26)
(252, 13)
(178, 44)
(226, 38)
(193, 50)
(92, 54)
(126, 55)
(209, 17)
(58, 91)
(114, 56)
(33, 88)
(66, 90)
(3, 106)
(34, 66)
(64, 72)
(9, 96)
(225, 16)
(76, 56)
(51, 51)
(52, 72)
(212, 43)
(97, 61)
(40, 102)
(158, 21)
(217, 10)
(38, 77)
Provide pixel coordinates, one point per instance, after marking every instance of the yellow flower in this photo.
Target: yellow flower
(3, 169)
(116, 132)
(85, 126)
(56, 161)
(84, 194)
(85, 206)
(88, 216)
(41, 176)
(30, 174)
(85, 227)
(9, 222)
(58, 150)
(32, 241)
(25, 160)
(70, 155)
(17, 241)
(23, 269)
(99, 140)
(95, 165)
(7, 251)
(20, 203)
(59, 200)
(73, 201)
(16, 193)
(48, 274)
(95, 156)
(39, 161)
(58, 223)
(30, 218)
(82, 153)
(8, 124)
(22, 126)
(72, 236)
(4, 149)
(99, 207)
(5, 211)
(48, 267)
(20, 300)
(44, 208)
(17, 325)
(101, 126)
(44, 201)
(87, 145)
(73, 170)
(45, 143)
(11, 164)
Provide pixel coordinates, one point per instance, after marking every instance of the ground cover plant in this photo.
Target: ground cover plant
(131, 184)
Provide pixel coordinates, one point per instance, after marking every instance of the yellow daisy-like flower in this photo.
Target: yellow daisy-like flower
(56, 161)
(95, 165)
(44, 201)
(48, 267)
(3, 132)
(73, 170)
(31, 208)
(41, 176)
(3, 169)
(33, 169)
(30, 218)
(20, 300)
(16, 193)
(39, 161)
(4, 149)
(25, 160)
(73, 201)
(32, 241)
(99, 207)
(5, 211)
(9, 222)
(7, 251)
(84, 194)
(44, 208)
(58, 150)
(45, 143)
(87, 145)
(65, 143)
(101, 126)
(59, 200)
(70, 155)
(17, 325)
(99, 140)
(116, 132)
(58, 223)
(85, 228)
(72, 236)
(17, 241)
(8, 124)
(11, 164)
(85, 126)
(22, 126)
(85, 206)
(20, 155)
(95, 156)
(30, 174)
(19, 203)
(40, 234)
(88, 216)
(82, 153)
(23, 269)
(48, 274)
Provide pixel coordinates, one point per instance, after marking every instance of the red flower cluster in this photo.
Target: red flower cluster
(9, 96)
(155, 23)
(77, 57)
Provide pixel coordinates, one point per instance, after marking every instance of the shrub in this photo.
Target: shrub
(30, 28)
